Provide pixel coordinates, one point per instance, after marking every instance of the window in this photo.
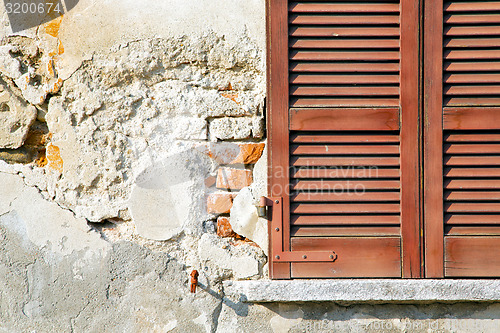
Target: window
(384, 138)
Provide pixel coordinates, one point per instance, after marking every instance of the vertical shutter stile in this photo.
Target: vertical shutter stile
(277, 17)
(433, 138)
(345, 146)
(410, 99)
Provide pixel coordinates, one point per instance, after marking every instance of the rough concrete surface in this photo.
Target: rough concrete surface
(329, 317)
(116, 119)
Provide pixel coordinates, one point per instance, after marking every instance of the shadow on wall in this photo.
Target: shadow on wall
(25, 14)
(239, 308)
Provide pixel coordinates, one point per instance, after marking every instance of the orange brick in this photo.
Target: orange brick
(224, 228)
(234, 153)
(220, 202)
(210, 181)
(250, 153)
(233, 179)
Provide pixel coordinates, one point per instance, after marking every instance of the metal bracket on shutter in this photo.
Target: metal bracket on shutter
(279, 255)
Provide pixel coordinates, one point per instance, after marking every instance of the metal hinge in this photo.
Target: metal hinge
(282, 255)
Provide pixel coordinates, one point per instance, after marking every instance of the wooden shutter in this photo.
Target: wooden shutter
(343, 120)
(462, 138)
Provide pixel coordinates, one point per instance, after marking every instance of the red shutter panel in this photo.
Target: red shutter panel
(344, 170)
(469, 221)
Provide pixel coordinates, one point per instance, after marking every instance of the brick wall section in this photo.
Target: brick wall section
(236, 161)
(233, 179)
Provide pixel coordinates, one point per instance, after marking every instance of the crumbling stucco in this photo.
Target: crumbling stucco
(128, 109)
(16, 117)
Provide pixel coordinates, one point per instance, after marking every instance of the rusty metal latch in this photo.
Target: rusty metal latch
(277, 250)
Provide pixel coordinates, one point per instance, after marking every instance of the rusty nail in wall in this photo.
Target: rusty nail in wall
(194, 280)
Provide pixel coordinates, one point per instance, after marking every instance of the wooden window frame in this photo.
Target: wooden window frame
(421, 130)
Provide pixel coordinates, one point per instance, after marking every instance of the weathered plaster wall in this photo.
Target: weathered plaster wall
(132, 151)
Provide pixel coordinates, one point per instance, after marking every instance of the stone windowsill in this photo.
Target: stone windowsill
(364, 291)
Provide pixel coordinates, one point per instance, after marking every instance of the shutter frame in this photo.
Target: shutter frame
(277, 118)
(333, 107)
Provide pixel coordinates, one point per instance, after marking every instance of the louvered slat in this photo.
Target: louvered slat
(342, 79)
(343, 56)
(347, 161)
(471, 6)
(471, 19)
(470, 43)
(344, 20)
(344, 7)
(476, 172)
(348, 185)
(343, 102)
(351, 67)
(343, 43)
(472, 160)
(481, 149)
(477, 137)
(472, 219)
(344, 149)
(346, 196)
(472, 195)
(472, 78)
(472, 184)
(344, 32)
(348, 208)
(344, 231)
(340, 172)
(356, 220)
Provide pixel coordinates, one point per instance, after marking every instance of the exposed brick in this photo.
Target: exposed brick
(224, 228)
(210, 181)
(234, 153)
(220, 202)
(250, 153)
(233, 179)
